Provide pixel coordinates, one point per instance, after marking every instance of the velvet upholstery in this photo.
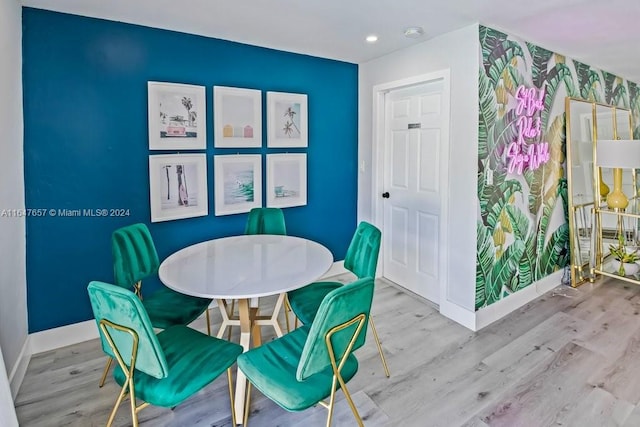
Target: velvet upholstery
(169, 367)
(362, 255)
(295, 370)
(361, 259)
(194, 360)
(266, 221)
(134, 259)
(134, 255)
(124, 308)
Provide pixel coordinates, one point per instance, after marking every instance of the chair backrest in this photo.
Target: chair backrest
(362, 255)
(266, 221)
(338, 307)
(123, 307)
(134, 255)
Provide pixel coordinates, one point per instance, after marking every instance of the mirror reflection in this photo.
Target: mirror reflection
(587, 122)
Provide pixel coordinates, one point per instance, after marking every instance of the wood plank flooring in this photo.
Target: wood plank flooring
(569, 358)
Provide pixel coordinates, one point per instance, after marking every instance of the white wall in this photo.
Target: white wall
(13, 304)
(457, 51)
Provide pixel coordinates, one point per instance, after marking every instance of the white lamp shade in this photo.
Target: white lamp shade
(618, 153)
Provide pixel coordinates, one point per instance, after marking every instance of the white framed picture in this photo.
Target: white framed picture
(177, 116)
(286, 180)
(237, 117)
(238, 183)
(178, 186)
(287, 120)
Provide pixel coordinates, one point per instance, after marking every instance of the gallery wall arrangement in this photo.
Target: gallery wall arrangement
(189, 163)
(522, 190)
(238, 124)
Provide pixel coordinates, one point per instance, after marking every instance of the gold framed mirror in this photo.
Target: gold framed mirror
(586, 123)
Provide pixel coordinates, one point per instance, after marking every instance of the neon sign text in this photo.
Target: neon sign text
(520, 153)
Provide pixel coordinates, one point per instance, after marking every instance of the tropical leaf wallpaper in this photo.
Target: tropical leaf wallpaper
(522, 227)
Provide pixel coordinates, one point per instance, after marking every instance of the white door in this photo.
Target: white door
(415, 160)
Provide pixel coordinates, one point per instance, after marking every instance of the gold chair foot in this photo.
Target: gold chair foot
(382, 358)
(105, 372)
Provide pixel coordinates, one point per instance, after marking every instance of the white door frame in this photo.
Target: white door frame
(377, 169)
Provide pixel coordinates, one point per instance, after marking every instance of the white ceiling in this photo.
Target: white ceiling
(602, 33)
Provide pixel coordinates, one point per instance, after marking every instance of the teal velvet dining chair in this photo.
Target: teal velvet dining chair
(302, 368)
(361, 259)
(259, 221)
(135, 258)
(163, 369)
(266, 221)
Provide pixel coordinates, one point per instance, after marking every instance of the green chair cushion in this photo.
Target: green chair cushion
(305, 301)
(194, 360)
(272, 367)
(167, 308)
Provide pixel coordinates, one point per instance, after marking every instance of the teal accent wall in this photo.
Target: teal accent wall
(86, 145)
(522, 225)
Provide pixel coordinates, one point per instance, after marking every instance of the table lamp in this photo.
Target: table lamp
(618, 154)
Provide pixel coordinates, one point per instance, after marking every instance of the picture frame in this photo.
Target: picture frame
(178, 186)
(286, 180)
(177, 116)
(237, 117)
(287, 124)
(238, 183)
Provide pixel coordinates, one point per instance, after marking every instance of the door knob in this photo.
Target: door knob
(385, 195)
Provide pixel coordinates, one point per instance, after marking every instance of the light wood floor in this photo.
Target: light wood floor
(568, 358)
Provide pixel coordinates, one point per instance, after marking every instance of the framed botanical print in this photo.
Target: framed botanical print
(287, 120)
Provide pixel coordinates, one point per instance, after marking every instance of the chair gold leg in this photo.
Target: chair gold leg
(233, 411)
(123, 392)
(132, 399)
(382, 358)
(247, 404)
(331, 401)
(352, 405)
(105, 372)
(208, 319)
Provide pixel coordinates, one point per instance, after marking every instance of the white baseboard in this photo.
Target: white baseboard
(62, 336)
(19, 369)
(499, 309)
(485, 316)
(459, 314)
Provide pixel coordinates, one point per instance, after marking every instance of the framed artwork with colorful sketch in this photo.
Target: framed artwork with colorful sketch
(178, 186)
(177, 116)
(237, 117)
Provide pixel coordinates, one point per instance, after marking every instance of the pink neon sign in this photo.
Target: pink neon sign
(520, 153)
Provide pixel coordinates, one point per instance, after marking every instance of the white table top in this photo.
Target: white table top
(247, 266)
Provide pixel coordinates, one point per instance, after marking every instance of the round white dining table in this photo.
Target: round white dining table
(242, 268)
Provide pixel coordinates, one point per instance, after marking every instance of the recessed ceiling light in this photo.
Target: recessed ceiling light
(413, 32)
(372, 38)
